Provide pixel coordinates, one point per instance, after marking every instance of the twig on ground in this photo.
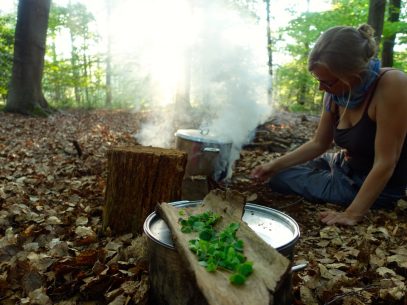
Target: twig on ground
(292, 203)
(357, 292)
(77, 147)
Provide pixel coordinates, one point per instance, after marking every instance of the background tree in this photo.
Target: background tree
(108, 101)
(73, 75)
(183, 90)
(269, 47)
(54, 80)
(375, 18)
(25, 94)
(77, 23)
(76, 73)
(390, 37)
(295, 89)
(7, 26)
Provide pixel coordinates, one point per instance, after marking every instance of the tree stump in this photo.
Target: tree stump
(139, 177)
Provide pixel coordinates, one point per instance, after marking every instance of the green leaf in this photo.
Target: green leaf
(186, 229)
(211, 267)
(217, 249)
(198, 226)
(245, 269)
(239, 245)
(237, 279)
(206, 234)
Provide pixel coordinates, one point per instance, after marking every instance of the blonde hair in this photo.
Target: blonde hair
(344, 50)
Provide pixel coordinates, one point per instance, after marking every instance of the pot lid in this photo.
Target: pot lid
(201, 135)
(274, 227)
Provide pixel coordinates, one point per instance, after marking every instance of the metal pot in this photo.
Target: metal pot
(276, 228)
(167, 272)
(208, 155)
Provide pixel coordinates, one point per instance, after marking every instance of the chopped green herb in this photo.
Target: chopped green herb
(217, 249)
(237, 279)
(206, 234)
(245, 269)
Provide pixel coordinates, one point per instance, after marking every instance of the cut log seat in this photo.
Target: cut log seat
(139, 177)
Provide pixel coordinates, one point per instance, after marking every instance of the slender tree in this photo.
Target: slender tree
(86, 72)
(79, 19)
(53, 74)
(376, 17)
(73, 25)
(108, 100)
(269, 49)
(302, 94)
(7, 26)
(388, 42)
(25, 93)
(183, 90)
(289, 87)
(269, 41)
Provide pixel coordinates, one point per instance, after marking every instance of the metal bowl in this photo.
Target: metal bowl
(274, 227)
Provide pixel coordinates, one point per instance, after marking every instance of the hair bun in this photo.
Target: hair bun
(366, 30)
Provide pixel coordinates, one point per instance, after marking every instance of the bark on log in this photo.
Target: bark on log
(270, 282)
(139, 177)
(195, 187)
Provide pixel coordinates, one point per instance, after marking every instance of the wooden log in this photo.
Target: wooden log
(170, 281)
(271, 269)
(195, 187)
(139, 177)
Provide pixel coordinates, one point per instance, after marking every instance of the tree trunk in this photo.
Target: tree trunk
(376, 17)
(388, 42)
(86, 75)
(269, 50)
(139, 177)
(25, 93)
(183, 90)
(303, 79)
(76, 76)
(108, 100)
(56, 81)
(182, 99)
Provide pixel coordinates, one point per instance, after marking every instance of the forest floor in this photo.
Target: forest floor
(53, 251)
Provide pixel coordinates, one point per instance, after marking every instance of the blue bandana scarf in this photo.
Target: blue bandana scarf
(357, 95)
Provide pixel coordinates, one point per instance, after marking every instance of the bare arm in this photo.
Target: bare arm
(308, 151)
(390, 114)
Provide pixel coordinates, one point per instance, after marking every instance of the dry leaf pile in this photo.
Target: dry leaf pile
(52, 250)
(52, 179)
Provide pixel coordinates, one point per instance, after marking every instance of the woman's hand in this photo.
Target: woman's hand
(343, 218)
(262, 172)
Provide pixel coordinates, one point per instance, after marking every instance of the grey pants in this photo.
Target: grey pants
(328, 179)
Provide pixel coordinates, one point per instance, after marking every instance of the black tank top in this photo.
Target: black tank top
(359, 143)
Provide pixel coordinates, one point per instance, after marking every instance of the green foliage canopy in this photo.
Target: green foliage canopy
(7, 26)
(295, 89)
(75, 76)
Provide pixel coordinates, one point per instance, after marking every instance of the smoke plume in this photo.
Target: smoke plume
(222, 79)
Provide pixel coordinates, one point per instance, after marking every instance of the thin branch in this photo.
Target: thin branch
(341, 296)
